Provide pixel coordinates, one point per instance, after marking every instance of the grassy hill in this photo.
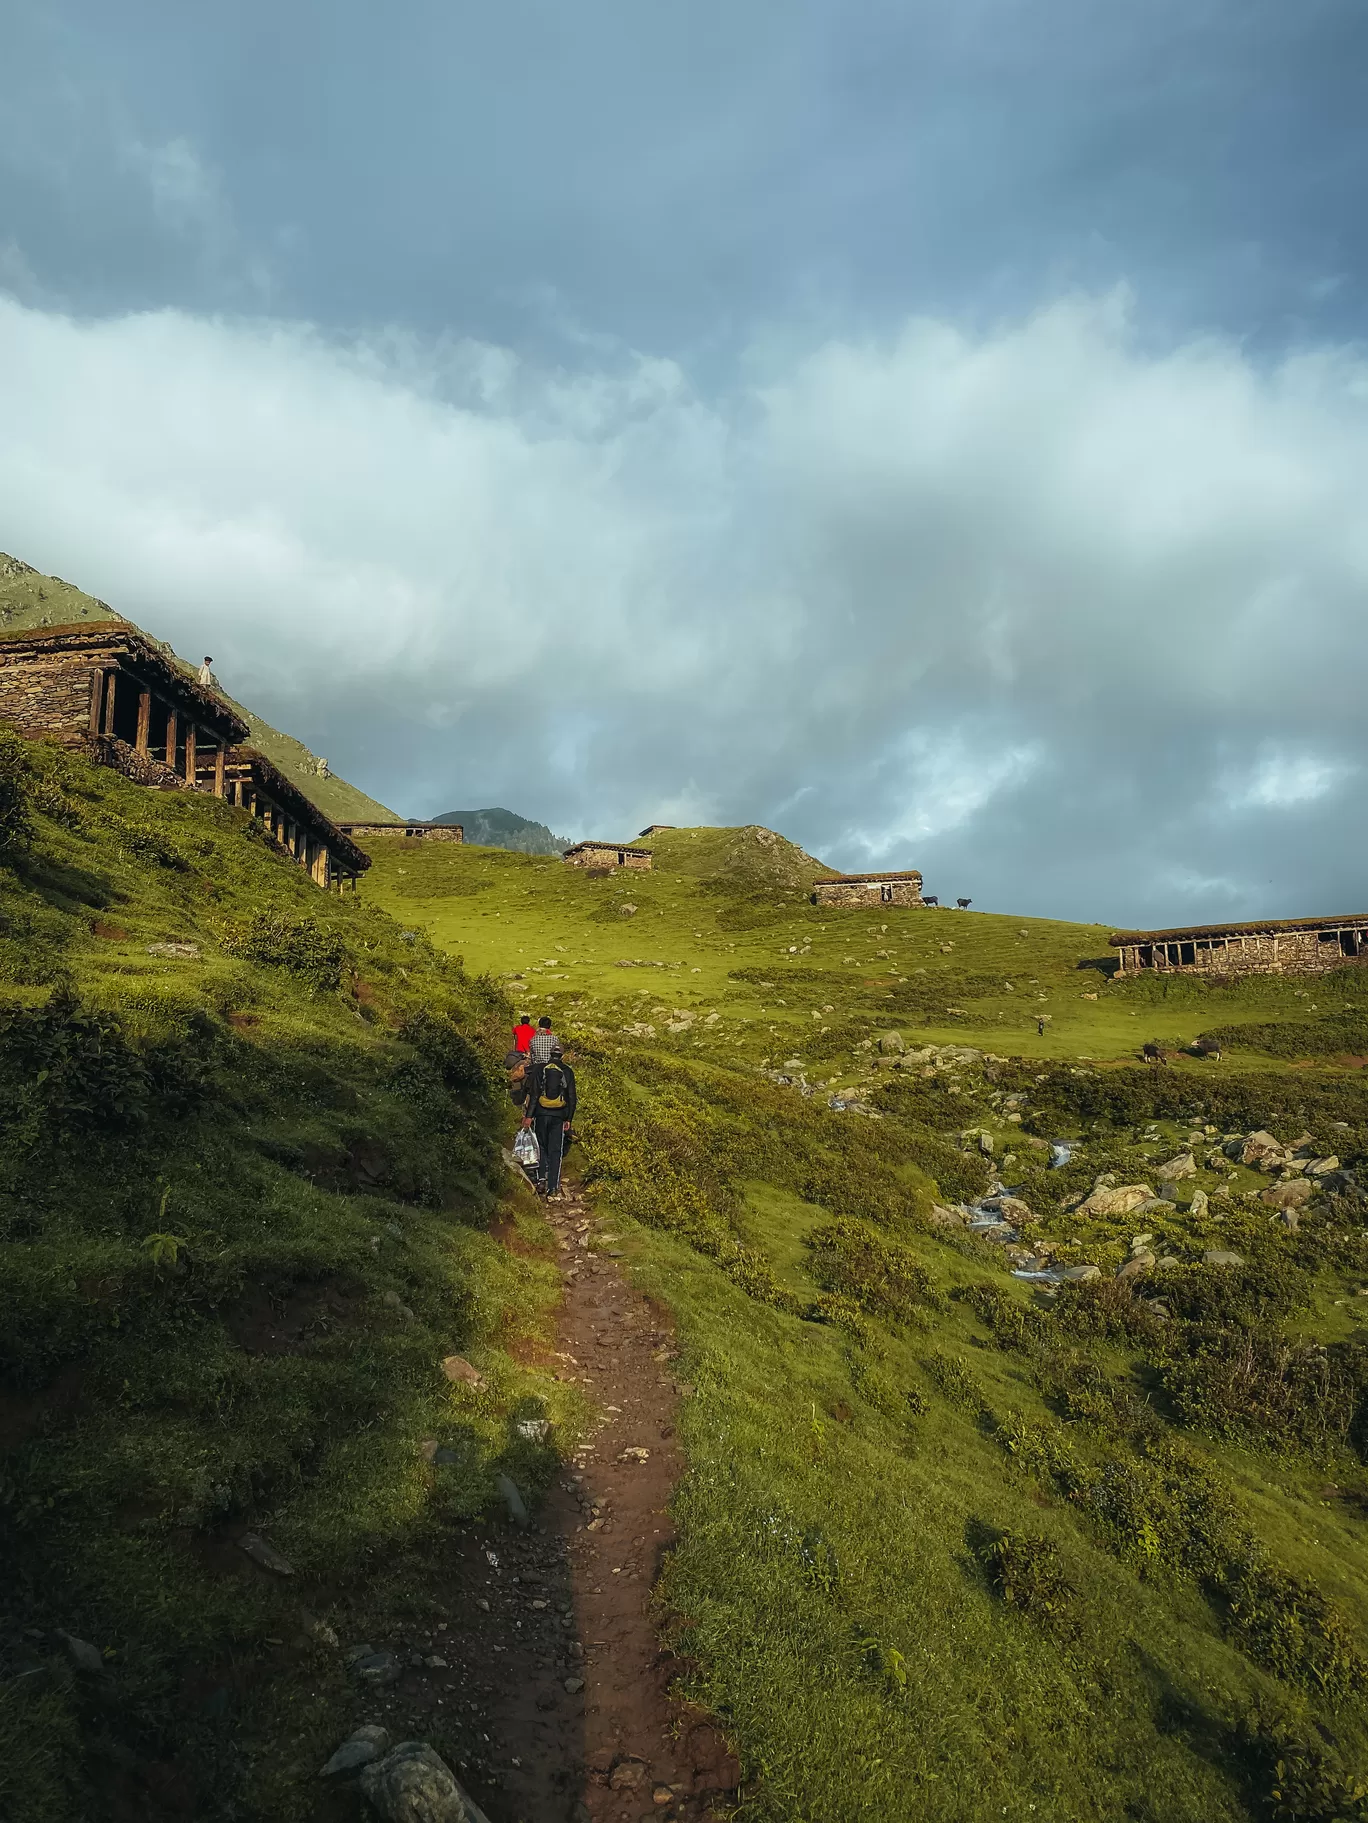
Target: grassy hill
(30, 599)
(505, 829)
(248, 1163)
(956, 1544)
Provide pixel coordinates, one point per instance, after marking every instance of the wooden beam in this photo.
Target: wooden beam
(111, 680)
(190, 755)
(97, 684)
(144, 720)
(220, 761)
(169, 756)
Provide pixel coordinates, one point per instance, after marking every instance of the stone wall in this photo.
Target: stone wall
(1295, 952)
(904, 891)
(106, 750)
(419, 832)
(48, 697)
(604, 854)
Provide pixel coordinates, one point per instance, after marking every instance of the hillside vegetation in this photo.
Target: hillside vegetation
(248, 1161)
(28, 599)
(505, 829)
(957, 1544)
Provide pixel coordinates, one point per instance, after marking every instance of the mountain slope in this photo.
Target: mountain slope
(30, 599)
(505, 829)
(954, 1545)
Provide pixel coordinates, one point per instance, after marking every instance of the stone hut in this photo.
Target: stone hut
(312, 840)
(1273, 946)
(105, 688)
(607, 856)
(870, 889)
(412, 832)
(654, 829)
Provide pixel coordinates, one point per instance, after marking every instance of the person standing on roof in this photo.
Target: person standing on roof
(544, 1040)
(550, 1108)
(522, 1034)
(206, 673)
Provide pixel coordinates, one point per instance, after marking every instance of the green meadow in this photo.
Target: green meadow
(954, 1544)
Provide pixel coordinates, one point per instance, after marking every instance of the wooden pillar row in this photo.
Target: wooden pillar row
(144, 721)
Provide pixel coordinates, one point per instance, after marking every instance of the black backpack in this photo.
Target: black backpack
(554, 1089)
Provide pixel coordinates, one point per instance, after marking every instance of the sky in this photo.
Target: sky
(938, 433)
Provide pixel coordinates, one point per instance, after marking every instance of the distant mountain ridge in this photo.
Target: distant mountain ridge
(29, 600)
(505, 829)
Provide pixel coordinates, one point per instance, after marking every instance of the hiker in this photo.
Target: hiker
(549, 1110)
(522, 1034)
(544, 1040)
(206, 675)
(1040, 1026)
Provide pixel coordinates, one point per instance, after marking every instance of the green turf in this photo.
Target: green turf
(949, 1549)
(245, 1188)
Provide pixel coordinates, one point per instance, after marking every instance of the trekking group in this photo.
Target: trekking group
(541, 1083)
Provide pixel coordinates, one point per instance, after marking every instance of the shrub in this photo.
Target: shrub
(445, 1053)
(290, 941)
(1286, 1625)
(877, 1274)
(1013, 1324)
(1300, 1779)
(1249, 1381)
(954, 1380)
(1028, 1575)
(16, 789)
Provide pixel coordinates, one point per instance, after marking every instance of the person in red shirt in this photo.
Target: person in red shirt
(522, 1033)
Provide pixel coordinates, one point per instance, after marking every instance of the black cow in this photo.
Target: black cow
(930, 899)
(1153, 1053)
(1207, 1047)
(964, 904)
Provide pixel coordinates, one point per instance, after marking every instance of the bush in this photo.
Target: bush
(1254, 1382)
(1028, 1575)
(1286, 1625)
(877, 1274)
(955, 1381)
(1013, 1323)
(16, 787)
(290, 941)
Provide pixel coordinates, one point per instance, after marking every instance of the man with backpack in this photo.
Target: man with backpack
(548, 1110)
(544, 1040)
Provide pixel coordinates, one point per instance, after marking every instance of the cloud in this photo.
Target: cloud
(1068, 614)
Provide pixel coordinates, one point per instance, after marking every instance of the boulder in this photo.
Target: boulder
(1185, 1165)
(457, 1368)
(1120, 1200)
(1137, 1266)
(1290, 1194)
(82, 1654)
(891, 1044)
(1222, 1256)
(413, 1784)
(946, 1218)
(1261, 1150)
(357, 1750)
(1080, 1275)
(1013, 1209)
(265, 1554)
(378, 1668)
(1318, 1167)
(1200, 1203)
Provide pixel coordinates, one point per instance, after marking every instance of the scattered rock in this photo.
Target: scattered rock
(1013, 1209)
(946, 1218)
(1222, 1256)
(457, 1368)
(1261, 1150)
(891, 1044)
(82, 1654)
(1290, 1194)
(185, 951)
(1199, 1204)
(264, 1554)
(378, 1668)
(1123, 1200)
(1185, 1165)
(533, 1430)
(1080, 1275)
(573, 1686)
(517, 1510)
(628, 1775)
(323, 1633)
(357, 1750)
(627, 911)
(1136, 1267)
(1319, 1166)
(413, 1784)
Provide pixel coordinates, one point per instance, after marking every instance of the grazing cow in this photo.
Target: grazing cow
(1153, 1053)
(930, 899)
(964, 904)
(1206, 1047)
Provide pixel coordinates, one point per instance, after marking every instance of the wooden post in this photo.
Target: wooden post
(220, 762)
(144, 720)
(169, 756)
(97, 687)
(190, 755)
(111, 679)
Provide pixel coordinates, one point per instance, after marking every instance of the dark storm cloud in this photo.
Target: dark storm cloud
(910, 529)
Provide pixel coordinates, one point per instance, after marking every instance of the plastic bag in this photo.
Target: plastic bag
(525, 1148)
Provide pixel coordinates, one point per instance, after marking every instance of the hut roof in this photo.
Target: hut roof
(122, 639)
(1257, 927)
(909, 873)
(621, 848)
(245, 761)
